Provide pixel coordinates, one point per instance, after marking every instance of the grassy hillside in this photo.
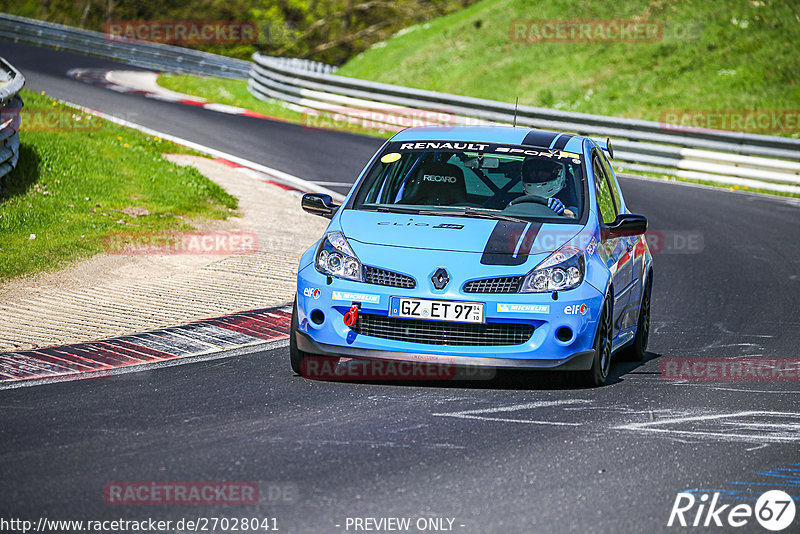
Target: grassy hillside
(724, 55)
(325, 30)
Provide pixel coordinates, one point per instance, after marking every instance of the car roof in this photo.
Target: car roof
(494, 134)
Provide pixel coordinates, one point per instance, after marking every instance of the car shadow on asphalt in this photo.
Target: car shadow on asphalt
(523, 380)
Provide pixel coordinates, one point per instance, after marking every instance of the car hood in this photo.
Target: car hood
(455, 234)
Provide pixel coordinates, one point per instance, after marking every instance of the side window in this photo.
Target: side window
(612, 180)
(605, 202)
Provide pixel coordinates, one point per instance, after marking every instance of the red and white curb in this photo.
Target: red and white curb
(144, 83)
(255, 329)
(381, 117)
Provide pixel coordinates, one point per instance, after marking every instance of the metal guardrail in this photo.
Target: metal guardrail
(141, 54)
(11, 81)
(758, 161)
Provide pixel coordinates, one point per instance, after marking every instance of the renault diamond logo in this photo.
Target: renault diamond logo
(440, 278)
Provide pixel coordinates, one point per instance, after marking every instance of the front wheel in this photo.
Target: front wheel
(295, 355)
(303, 362)
(636, 351)
(601, 365)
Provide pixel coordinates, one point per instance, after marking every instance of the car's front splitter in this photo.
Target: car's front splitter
(579, 361)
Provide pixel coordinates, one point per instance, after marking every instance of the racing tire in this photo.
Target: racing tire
(601, 364)
(636, 350)
(296, 355)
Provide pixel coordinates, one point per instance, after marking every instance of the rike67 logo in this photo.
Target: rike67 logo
(774, 510)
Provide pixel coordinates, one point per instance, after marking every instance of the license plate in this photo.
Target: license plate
(436, 310)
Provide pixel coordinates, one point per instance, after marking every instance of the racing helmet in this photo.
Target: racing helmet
(542, 178)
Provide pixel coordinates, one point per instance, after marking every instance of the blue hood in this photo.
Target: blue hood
(454, 234)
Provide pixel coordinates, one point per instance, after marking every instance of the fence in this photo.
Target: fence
(753, 160)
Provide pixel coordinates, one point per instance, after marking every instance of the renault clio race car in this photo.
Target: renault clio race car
(492, 246)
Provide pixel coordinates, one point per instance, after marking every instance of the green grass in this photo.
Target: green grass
(228, 92)
(735, 55)
(69, 185)
(722, 55)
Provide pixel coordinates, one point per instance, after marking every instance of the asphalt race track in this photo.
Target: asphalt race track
(296, 149)
(521, 453)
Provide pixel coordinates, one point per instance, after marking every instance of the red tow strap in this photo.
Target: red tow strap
(351, 316)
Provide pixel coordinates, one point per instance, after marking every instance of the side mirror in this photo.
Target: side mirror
(319, 204)
(626, 225)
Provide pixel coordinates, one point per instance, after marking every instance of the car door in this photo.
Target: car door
(630, 263)
(613, 251)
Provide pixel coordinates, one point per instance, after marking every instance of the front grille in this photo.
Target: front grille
(382, 277)
(442, 333)
(508, 284)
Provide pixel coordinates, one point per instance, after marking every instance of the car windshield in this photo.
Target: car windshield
(475, 180)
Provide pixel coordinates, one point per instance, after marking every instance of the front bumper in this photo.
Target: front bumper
(544, 350)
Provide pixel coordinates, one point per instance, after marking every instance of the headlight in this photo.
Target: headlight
(336, 258)
(563, 269)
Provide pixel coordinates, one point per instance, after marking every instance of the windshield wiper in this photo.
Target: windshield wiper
(463, 212)
(390, 209)
(471, 212)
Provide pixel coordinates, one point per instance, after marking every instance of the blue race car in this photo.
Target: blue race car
(492, 246)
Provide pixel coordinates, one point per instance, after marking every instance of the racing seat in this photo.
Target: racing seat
(436, 184)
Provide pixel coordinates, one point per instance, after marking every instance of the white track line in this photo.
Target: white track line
(790, 436)
(483, 414)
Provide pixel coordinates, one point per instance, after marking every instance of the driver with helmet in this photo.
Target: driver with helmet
(545, 179)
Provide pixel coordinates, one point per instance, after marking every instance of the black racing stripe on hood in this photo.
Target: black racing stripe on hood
(562, 141)
(539, 138)
(503, 242)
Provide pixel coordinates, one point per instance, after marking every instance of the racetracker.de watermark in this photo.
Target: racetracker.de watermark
(658, 241)
(325, 368)
(754, 369)
(387, 118)
(766, 121)
(586, 31)
(199, 493)
(183, 32)
(183, 243)
(55, 120)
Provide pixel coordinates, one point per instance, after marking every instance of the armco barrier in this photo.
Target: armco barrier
(141, 54)
(763, 161)
(161, 57)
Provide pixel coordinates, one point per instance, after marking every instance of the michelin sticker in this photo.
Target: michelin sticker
(522, 308)
(359, 297)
